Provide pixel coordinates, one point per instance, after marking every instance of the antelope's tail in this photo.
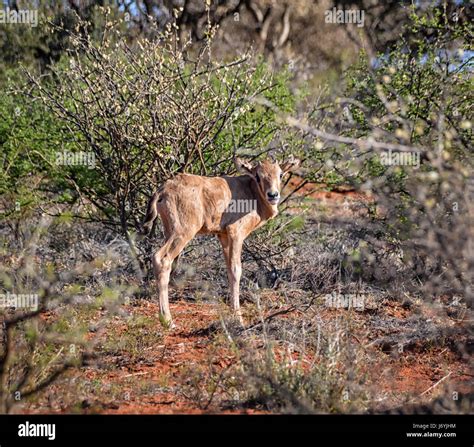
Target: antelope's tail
(151, 214)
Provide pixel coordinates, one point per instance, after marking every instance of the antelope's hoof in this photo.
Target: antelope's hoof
(239, 319)
(167, 322)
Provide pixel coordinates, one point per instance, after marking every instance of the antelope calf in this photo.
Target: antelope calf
(229, 207)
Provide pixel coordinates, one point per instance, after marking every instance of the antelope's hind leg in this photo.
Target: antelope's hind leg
(162, 265)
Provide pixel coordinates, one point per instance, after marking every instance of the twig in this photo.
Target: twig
(142, 373)
(436, 384)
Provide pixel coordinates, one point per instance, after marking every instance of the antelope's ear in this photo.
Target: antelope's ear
(290, 165)
(243, 166)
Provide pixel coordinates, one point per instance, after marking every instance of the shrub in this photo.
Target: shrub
(152, 109)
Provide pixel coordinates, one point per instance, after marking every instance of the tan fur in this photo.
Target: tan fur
(190, 204)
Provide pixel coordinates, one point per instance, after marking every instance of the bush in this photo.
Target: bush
(402, 133)
(49, 322)
(152, 109)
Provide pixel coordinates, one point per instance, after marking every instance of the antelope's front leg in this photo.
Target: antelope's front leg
(234, 274)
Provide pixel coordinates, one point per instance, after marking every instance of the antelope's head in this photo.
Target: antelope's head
(268, 174)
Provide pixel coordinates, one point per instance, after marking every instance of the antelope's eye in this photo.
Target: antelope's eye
(257, 177)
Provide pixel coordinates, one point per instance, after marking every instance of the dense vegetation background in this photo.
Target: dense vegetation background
(142, 90)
